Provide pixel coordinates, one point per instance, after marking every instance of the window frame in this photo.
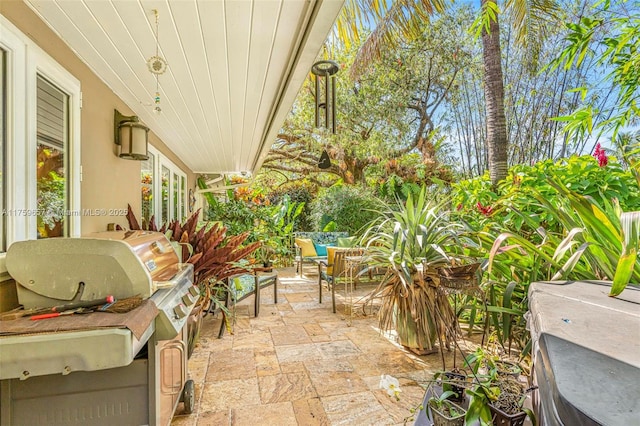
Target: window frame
(24, 61)
(159, 161)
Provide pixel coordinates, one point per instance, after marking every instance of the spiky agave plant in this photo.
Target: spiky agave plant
(412, 240)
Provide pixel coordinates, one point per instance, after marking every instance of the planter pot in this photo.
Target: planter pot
(459, 278)
(508, 368)
(442, 417)
(500, 418)
(411, 338)
(450, 381)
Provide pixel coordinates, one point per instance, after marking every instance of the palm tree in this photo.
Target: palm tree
(404, 18)
(494, 98)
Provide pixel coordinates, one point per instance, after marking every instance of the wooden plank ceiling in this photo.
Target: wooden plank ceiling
(234, 66)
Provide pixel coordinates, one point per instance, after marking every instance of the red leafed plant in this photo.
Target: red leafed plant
(214, 255)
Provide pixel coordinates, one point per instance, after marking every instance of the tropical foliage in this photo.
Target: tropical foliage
(390, 112)
(268, 218)
(548, 222)
(609, 34)
(514, 205)
(349, 208)
(412, 240)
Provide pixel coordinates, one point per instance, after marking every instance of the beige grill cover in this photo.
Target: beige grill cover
(49, 271)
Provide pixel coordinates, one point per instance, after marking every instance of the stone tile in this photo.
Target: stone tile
(330, 376)
(314, 305)
(290, 320)
(392, 363)
(198, 365)
(213, 344)
(316, 332)
(321, 338)
(243, 309)
(285, 387)
(292, 367)
(336, 328)
(291, 353)
(299, 297)
(284, 307)
(239, 326)
(360, 408)
(423, 375)
(262, 327)
(363, 366)
(289, 335)
(338, 349)
(185, 420)
(266, 298)
(210, 327)
(309, 412)
(231, 364)
(373, 382)
(263, 322)
(258, 340)
(222, 395)
(370, 341)
(266, 362)
(336, 382)
(323, 365)
(268, 308)
(281, 414)
(288, 289)
(219, 418)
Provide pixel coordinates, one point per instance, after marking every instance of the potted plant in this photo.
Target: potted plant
(264, 256)
(507, 409)
(444, 412)
(411, 241)
(507, 368)
(495, 398)
(454, 381)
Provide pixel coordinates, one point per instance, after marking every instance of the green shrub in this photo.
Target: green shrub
(516, 198)
(297, 193)
(350, 207)
(549, 221)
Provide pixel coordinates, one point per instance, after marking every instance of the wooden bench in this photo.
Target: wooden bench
(239, 287)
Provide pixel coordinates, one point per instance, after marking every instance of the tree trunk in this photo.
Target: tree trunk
(494, 101)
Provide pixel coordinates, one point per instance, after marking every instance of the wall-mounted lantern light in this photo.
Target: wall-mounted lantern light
(325, 71)
(131, 136)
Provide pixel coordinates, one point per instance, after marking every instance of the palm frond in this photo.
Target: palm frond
(392, 22)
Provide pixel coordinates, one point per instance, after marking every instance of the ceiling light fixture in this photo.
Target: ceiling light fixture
(157, 66)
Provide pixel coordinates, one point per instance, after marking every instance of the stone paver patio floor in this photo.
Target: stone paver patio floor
(300, 364)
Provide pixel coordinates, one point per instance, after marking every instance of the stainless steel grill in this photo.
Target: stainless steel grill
(97, 368)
